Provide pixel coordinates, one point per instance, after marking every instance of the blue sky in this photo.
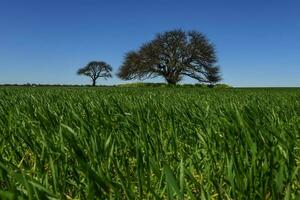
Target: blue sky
(258, 42)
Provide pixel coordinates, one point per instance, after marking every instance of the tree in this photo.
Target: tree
(95, 70)
(172, 55)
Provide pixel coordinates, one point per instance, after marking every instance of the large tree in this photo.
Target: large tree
(95, 70)
(172, 55)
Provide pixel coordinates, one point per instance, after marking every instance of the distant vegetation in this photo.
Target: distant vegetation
(197, 85)
(96, 70)
(124, 85)
(173, 55)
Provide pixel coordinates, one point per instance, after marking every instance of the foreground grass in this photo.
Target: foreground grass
(159, 143)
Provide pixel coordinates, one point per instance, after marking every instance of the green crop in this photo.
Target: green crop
(149, 143)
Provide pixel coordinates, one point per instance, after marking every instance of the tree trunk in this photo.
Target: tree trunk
(172, 78)
(94, 82)
(171, 82)
(211, 86)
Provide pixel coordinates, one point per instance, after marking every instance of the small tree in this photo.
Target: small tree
(172, 55)
(95, 70)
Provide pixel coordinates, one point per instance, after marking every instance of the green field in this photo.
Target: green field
(149, 143)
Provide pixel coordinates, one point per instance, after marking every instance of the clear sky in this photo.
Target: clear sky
(257, 41)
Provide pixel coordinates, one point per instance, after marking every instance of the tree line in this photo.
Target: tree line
(171, 55)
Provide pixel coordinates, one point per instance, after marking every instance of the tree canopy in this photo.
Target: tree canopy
(173, 55)
(95, 70)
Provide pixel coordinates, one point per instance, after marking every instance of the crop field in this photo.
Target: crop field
(149, 143)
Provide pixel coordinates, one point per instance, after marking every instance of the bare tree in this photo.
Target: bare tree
(172, 55)
(95, 70)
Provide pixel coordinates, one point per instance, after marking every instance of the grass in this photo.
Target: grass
(154, 143)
